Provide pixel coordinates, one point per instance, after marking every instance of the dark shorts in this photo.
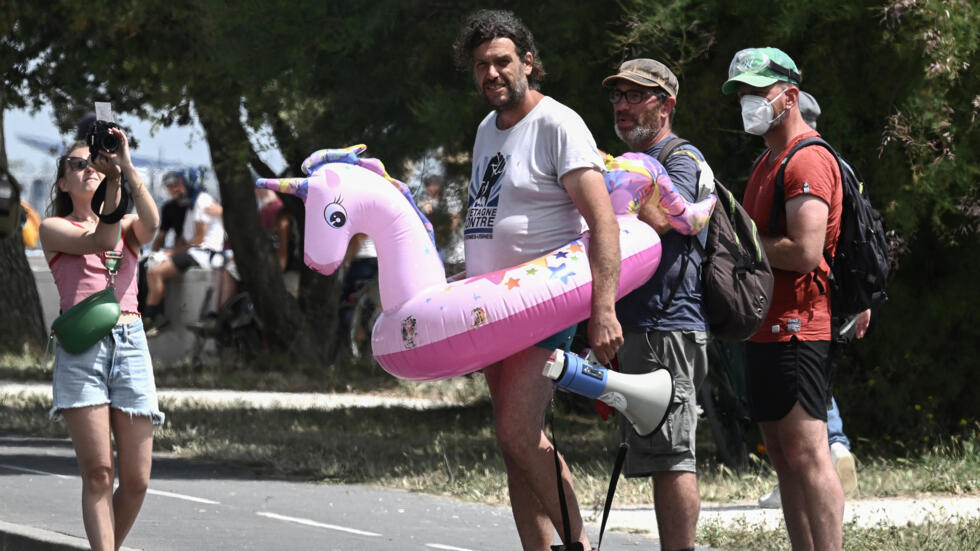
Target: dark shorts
(184, 261)
(561, 339)
(779, 374)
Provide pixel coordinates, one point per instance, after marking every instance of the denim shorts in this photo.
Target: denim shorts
(116, 370)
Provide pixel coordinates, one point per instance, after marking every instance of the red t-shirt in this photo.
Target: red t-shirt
(798, 306)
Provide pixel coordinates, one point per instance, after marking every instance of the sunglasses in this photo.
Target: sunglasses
(77, 163)
(632, 96)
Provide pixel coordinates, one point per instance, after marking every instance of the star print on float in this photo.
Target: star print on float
(484, 194)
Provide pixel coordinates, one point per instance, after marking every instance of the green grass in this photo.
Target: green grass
(451, 450)
(955, 535)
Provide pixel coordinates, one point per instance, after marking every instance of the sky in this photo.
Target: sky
(178, 145)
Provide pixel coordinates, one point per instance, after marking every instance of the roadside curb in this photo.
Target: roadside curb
(17, 537)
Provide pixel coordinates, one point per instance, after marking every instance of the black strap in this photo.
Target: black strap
(567, 530)
(779, 194)
(779, 191)
(125, 202)
(669, 148)
(617, 468)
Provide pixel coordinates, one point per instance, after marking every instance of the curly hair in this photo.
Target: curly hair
(483, 25)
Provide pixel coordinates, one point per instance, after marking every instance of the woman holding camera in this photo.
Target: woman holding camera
(108, 389)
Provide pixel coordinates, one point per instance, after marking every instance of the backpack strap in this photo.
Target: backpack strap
(779, 193)
(668, 150)
(669, 147)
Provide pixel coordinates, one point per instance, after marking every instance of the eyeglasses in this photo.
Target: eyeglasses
(756, 62)
(77, 163)
(632, 96)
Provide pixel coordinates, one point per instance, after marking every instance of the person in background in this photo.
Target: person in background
(32, 224)
(533, 159)
(840, 445)
(202, 238)
(105, 394)
(788, 371)
(443, 211)
(664, 324)
(169, 236)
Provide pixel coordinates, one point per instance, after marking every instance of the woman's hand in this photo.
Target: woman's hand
(115, 163)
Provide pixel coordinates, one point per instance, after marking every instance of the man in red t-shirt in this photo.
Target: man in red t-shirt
(788, 372)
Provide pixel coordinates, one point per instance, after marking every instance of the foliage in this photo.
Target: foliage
(896, 80)
(899, 93)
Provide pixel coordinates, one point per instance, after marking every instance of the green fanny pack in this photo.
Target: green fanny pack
(86, 322)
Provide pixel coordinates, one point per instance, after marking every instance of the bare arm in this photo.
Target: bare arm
(588, 191)
(58, 235)
(801, 249)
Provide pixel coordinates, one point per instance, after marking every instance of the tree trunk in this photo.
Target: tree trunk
(282, 322)
(21, 317)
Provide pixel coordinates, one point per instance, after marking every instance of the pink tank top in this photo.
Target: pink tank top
(78, 276)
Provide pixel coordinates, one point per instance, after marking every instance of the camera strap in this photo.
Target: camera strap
(125, 203)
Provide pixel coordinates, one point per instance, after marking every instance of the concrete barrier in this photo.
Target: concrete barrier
(182, 304)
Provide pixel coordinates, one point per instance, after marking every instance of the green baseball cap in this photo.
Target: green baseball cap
(760, 67)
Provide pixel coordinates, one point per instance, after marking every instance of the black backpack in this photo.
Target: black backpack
(735, 275)
(859, 268)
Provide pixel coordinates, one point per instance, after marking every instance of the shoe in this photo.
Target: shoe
(846, 469)
(772, 500)
(152, 325)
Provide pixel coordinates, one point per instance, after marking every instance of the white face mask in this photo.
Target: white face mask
(757, 113)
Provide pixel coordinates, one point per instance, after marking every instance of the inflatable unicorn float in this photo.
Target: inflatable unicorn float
(433, 329)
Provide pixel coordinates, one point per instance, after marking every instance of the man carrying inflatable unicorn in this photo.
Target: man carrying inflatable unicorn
(536, 184)
(533, 270)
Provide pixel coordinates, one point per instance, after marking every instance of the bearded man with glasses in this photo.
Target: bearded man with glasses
(664, 324)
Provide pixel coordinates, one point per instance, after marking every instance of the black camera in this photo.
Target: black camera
(100, 139)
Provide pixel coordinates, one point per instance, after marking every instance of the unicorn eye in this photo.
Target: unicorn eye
(335, 214)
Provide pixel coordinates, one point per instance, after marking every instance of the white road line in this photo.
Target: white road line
(309, 522)
(446, 547)
(15, 468)
(151, 491)
(182, 496)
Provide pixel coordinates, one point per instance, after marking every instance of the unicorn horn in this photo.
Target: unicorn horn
(292, 186)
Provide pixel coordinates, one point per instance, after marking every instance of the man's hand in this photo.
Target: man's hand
(605, 336)
(863, 321)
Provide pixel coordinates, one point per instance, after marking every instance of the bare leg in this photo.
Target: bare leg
(155, 279)
(520, 397)
(677, 504)
(134, 451)
(89, 431)
(813, 502)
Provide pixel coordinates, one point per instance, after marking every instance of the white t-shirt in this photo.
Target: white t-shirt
(517, 207)
(214, 236)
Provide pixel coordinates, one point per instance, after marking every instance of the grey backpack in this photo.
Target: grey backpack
(735, 275)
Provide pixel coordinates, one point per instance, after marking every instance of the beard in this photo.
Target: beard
(641, 135)
(513, 95)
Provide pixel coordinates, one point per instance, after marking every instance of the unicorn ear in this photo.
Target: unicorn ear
(345, 155)
(292, 186)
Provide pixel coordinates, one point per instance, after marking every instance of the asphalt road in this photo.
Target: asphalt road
(197, 505)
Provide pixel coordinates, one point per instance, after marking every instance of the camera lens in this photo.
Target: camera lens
(109, 143)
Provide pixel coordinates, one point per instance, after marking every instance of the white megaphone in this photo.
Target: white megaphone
(644, 399)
